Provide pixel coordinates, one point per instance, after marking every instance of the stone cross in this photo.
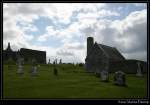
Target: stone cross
(120, 78)
(139, 71)
(104, 76)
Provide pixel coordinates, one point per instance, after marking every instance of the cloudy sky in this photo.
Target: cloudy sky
(61, 29)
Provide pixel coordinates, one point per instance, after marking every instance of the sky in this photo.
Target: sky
(61, 29)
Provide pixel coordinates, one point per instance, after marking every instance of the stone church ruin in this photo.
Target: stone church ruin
(101, 57)
(26, 54)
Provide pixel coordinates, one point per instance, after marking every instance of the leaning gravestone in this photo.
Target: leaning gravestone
(119, 78)
(139, 71)
(34, 68)
(20, 66)
(104, 76)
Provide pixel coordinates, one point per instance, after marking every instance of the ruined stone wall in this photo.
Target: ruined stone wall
(28, 55)
(127, 66)
(96, 61)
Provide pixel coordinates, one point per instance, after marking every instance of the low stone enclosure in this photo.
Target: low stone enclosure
(128, 66)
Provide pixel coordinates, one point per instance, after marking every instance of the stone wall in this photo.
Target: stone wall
(28, 55)
(96, 61)
(127, 66)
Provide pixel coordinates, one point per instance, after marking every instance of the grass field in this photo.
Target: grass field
(71, 82)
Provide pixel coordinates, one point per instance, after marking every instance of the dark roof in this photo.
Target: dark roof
(112, 52)
(25, 49)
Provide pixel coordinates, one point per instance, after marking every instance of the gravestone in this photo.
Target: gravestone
(20, 65)
(34, 67)
(34, 70)
(60, 62)
(104, 76)
(139, 71)
(120, 78)
(55, 71)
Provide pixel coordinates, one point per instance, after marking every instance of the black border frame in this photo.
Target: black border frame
(75, 100)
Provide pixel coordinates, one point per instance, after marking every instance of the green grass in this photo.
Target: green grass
(71, 82)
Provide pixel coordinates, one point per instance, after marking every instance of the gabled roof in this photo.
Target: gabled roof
(112, 52)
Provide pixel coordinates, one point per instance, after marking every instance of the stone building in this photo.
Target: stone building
(9, 54)
(27, 54)
(101, 57)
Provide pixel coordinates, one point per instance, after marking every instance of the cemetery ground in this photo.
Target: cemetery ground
(71, 82)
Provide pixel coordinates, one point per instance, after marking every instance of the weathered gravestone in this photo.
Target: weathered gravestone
(60, 62)
(20, 66)
(34, 67)
(104, 76)
(120, 78)
(139, 71)
(55, 69)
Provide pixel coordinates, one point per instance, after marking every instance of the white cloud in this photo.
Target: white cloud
(97, 14)
(141, 55)
(50, 32)
(123, 34)
(105, 13)
(132, 29)
(75, 46)
(128, 35)
(26, 26)
(140, 4)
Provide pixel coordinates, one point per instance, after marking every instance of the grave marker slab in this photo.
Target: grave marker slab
(139, 71)
(120, 78)
(104, 76)
(20, 66)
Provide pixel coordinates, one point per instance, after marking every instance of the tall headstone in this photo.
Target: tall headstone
(120, 78)
(20, 66)
(55, 71)
(139, 71)
(104, 76)
(34, 67)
